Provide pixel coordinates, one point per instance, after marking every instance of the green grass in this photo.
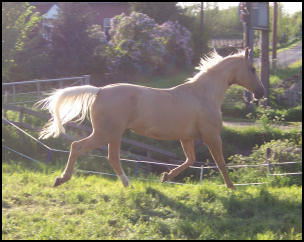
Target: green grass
(95, 207)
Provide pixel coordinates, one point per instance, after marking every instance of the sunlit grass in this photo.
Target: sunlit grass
(96, 207)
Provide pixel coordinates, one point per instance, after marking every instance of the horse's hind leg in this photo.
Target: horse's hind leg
(114, 160)
(188, 147)
(77, 148)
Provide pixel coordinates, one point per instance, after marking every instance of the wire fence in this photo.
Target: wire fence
(201, 168)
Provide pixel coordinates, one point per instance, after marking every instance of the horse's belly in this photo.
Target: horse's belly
(165, 131)
(164, 118)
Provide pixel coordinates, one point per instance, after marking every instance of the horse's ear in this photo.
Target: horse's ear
(247, 53)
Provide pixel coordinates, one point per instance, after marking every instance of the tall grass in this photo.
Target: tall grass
(95, 207)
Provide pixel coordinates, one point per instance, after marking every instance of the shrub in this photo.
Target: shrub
(139, 45)
(281, 151)
(177, 43)
(234, 103)
(294, 114)
(246, 138)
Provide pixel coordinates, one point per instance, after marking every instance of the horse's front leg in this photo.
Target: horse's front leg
(77, 148)
(188, 147)
(214, 143)
(114, 160)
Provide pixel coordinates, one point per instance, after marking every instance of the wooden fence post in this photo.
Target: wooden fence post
(86, 79)
(202, 174)
(14, 94)
(136, 168)
(5, 101)
(38, 89)
(21, 114)
(268, 155)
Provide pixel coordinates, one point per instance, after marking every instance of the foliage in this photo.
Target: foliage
(267, 117)
(247, 138)
(19, 22)
(162, 12)
(159, 11)
(135, 39)
(218, 23)
(73, 40)
(224, 23)
(177, 44)
(76, 47)
(281, 151)
(294, 114)
(288, 26)
(139, 45)
(98, 61)
(234, 103)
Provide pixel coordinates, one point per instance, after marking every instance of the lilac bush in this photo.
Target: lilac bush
(139, 44)
(132, 45)
(95, 33)
(178, 41)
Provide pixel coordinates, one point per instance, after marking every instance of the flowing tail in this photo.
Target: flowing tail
(65, 105)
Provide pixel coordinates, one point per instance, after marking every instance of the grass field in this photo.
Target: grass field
(95, 207)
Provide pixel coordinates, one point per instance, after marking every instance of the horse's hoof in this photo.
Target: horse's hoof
(164, 177)
(58, 181)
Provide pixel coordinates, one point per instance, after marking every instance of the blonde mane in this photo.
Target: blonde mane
(208, 61)
(211, 60)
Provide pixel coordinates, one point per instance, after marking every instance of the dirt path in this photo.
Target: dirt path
(286, 57)
(291, 55)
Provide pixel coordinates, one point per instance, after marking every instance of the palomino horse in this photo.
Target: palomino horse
(185, 112)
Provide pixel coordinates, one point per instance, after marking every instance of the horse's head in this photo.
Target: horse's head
(246, 76)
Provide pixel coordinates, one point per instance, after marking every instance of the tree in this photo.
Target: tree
(72, 46)
(19, 21)
(159, 11)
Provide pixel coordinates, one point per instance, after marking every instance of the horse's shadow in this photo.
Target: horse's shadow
(235, 209)
(166, 207)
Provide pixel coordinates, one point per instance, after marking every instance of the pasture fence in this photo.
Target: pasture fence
(32, 91)
(237, 43)
(83, 131)
(201, 168)
(35, 88)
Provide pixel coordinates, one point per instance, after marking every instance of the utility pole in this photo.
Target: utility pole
(265, 59)
(274, 36)
(201, 28)
(245, 9)
(257, 15)
(250, 31)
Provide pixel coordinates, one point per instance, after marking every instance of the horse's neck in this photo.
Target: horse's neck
(214, 83)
